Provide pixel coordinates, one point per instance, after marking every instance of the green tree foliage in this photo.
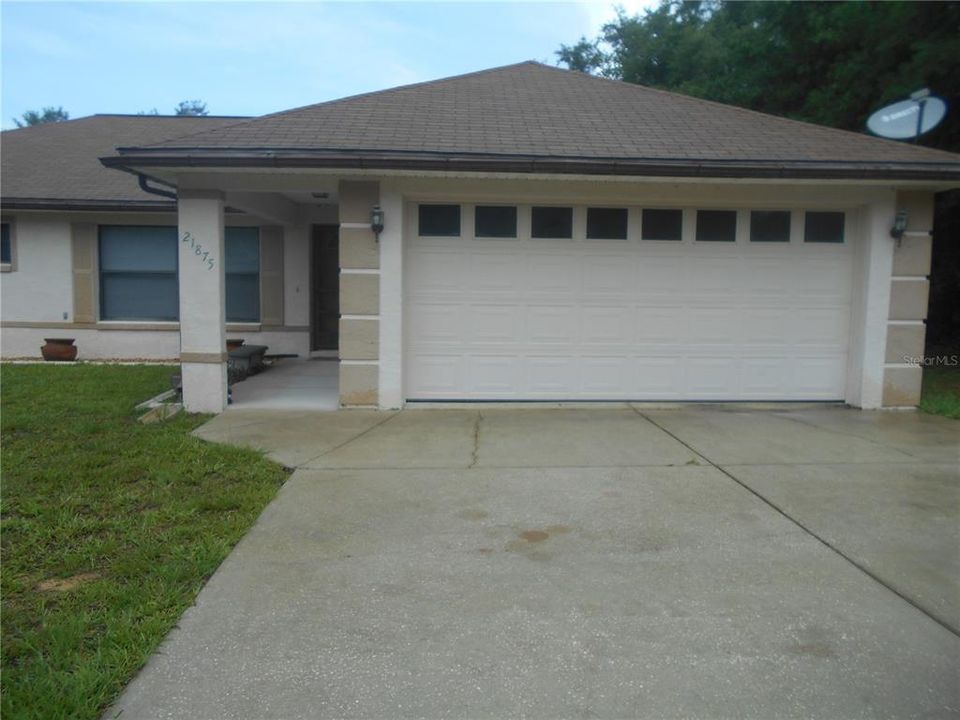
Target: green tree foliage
(38, 117)
(831, 63)
(191, 107)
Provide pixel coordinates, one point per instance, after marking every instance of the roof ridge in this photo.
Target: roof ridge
(164, 115)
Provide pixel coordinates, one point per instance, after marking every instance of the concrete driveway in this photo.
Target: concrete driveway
(609, 562)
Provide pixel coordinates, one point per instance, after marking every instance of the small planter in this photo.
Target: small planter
(234, 343)
(59, 349)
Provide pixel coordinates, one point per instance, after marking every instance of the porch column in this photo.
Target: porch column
(203, 357)
(391, 298)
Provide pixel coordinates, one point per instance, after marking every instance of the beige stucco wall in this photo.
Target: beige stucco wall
(359, 295)
(909, 295)
(40, 297)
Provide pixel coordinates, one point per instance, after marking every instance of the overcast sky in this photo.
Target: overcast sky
(251, 58)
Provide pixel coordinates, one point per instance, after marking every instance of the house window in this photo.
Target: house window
(6, 246)
(495, 221)
(607, 223)
(769, 226)
(662, 224)
(823, 227)
(551, 222)
(242, 270)
(716, 226)
(439, 220)
(138, 273)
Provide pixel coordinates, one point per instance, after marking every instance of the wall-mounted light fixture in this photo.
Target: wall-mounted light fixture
(899, 226)
(376, 221)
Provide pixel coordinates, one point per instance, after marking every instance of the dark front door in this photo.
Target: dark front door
(325, 288)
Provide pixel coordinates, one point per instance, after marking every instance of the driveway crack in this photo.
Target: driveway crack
(826, 543)
(475, 457)
(347, 442)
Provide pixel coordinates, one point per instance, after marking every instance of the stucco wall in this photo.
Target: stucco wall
(40, 289)
(36, 295)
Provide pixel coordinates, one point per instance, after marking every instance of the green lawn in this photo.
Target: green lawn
(941, 391)
(109, 530)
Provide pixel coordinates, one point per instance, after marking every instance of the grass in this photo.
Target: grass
(109, 530)
(941, 391)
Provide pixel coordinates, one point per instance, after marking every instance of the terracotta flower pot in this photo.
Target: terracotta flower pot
(61, 349)
(234, 343)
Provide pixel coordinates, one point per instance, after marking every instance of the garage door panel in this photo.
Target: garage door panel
(556, 275)
(551, 324)
(552, 376)
(493, 375)
(712, 377)
(493, 324)
(602, 325)
(608, 275)
(637, 320)
(657, 378)
(434, 323)
(436, 375)
(605, 377)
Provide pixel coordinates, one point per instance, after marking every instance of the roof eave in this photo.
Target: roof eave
(87, 205)
(351, 160)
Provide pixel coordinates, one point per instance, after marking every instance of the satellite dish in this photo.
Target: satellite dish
(908, 119)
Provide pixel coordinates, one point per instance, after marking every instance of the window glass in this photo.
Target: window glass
(607, 223)
(716, 225)
(126, 248)
(495, 221)
(551, 222)
(662, 224)
(138, 273)
(6, 252)
(242, 268)
(823, 227)
(439, 220)
(769, 226)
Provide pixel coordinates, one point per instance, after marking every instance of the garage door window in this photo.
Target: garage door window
(823, 227)
(662, 224)
(495, 221)
(716, 226)
(439, 220)
(770, 226)
(606, 223)
(552, 222)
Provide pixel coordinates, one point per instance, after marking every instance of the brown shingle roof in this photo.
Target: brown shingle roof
(57, 163)
(547, 116)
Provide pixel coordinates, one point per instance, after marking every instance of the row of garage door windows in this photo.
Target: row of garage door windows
(500, 221)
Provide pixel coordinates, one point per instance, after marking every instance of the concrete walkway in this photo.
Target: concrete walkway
(290, 384)
(604, 562)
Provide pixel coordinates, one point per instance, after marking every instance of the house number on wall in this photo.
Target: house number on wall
(198, 250)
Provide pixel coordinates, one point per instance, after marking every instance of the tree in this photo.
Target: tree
(46, 115)
(191, 107)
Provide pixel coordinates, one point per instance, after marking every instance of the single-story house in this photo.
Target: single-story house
(521, 233)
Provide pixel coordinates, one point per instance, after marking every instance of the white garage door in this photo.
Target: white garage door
(534, 319)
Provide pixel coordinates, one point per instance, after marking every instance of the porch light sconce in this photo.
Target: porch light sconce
(899, 226)
(376, 221)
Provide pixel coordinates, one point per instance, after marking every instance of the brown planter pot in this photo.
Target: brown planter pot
(61, 349)
(234, 343)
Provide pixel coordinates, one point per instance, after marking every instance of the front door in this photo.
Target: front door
(325, 288)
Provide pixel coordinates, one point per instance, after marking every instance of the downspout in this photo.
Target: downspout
(154, 190)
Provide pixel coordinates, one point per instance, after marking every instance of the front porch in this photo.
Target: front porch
(290, 384)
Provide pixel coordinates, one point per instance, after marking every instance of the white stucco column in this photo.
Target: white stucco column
(203, 358)
(871, 304)
(391, 298)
